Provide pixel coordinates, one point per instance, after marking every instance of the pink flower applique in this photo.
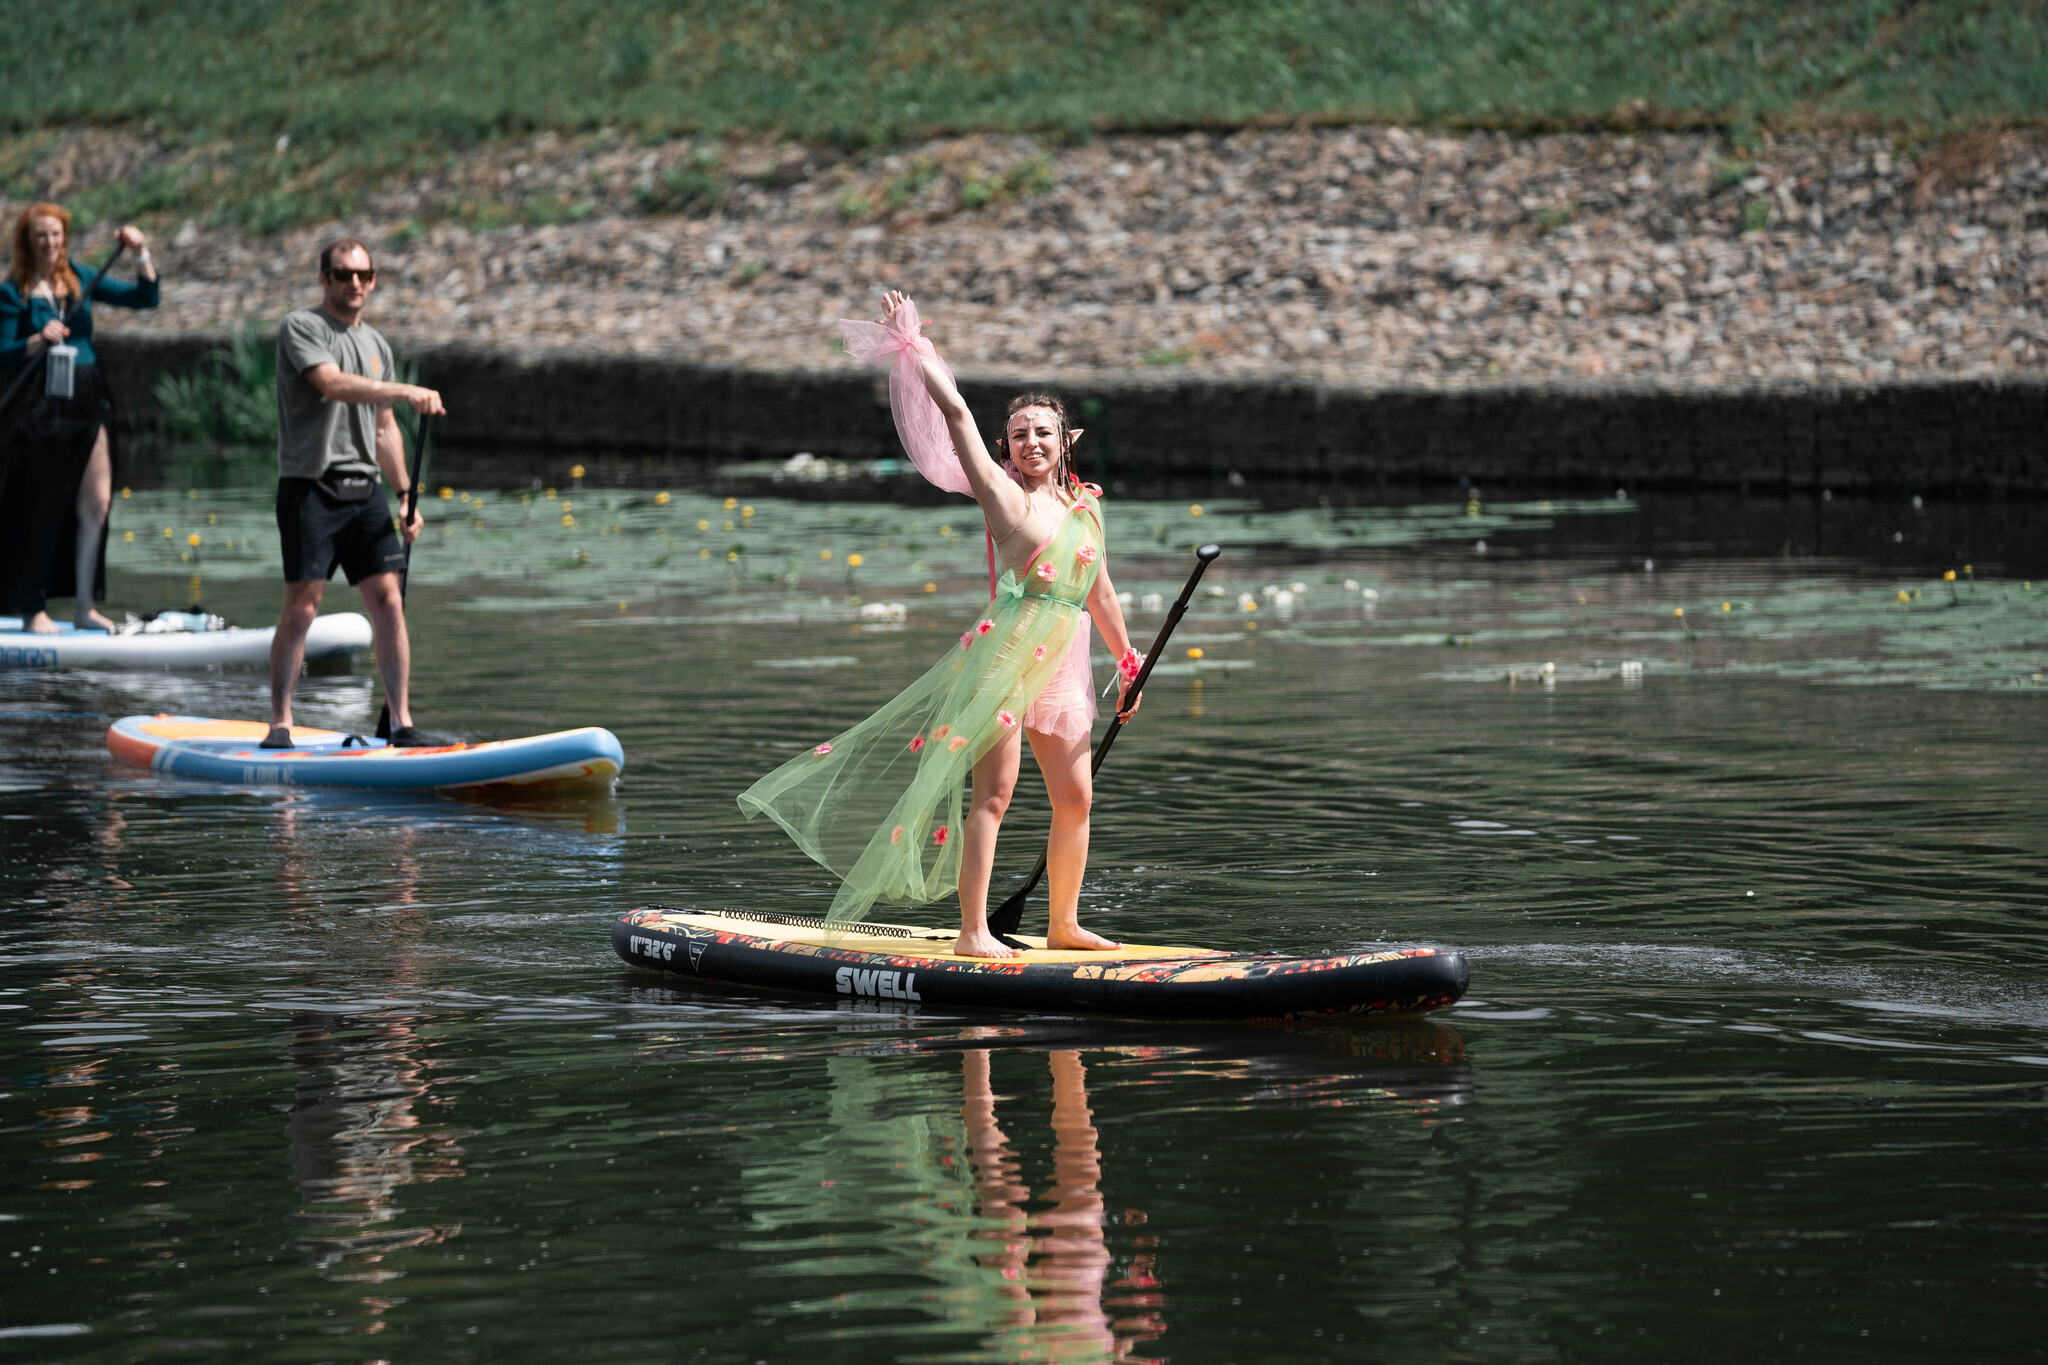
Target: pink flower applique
(1006, 719)
(942, 732)
(822, 749)
(896, 835)
(1038, 653)
(939, 836)
(966, 638)
(984, 628)
(1046, 572)
(958, 742)
(916, 743)
(1086, 554)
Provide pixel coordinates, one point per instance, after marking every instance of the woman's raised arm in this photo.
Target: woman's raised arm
(1001, 500)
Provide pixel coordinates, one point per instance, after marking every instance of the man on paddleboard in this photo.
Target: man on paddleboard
(335, 431)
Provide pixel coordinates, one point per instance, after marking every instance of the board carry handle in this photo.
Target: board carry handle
(1003, 923)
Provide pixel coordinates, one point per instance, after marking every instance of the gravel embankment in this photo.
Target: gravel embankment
(1369, 255)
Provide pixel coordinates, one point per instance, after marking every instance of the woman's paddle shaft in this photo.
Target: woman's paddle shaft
(70, 316)
(1010, 913)
(410, 503)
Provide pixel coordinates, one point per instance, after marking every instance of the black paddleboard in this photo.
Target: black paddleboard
(913, 965)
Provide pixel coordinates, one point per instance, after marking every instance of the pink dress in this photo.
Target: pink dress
(1066, 708)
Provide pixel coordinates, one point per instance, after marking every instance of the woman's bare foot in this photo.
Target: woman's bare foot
(1080, 940)
(41, 624)
(982, 944)
(94, 621)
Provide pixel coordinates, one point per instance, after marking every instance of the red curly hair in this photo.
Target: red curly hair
(24, 272)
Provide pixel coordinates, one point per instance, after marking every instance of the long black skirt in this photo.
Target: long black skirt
(45, 446)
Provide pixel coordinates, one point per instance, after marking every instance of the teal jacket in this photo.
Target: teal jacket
(21, 318)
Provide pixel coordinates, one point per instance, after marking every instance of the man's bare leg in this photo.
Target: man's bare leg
(95, 496)
(1065, 764)
(386, 607)
(995, 780)
(288, 646)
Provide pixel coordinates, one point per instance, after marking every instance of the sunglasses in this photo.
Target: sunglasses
(342, 274)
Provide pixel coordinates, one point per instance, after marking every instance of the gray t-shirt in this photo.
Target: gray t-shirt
(315, 434)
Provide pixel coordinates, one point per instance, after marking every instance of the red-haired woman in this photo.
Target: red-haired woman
(57, 479)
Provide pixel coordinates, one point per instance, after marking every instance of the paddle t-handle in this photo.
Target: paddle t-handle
(1003, 923)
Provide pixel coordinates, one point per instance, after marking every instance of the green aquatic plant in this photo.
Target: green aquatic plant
(229, 397)
(678, 553)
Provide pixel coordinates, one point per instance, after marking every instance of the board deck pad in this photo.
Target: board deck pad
(915, 966)
(230, 751)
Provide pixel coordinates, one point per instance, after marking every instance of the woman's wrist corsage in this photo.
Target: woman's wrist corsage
(1129, 664)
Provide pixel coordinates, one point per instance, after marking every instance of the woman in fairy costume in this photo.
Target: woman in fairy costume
(881, 804)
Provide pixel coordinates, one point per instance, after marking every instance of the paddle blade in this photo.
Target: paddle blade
(384, 721)
(1010, 913)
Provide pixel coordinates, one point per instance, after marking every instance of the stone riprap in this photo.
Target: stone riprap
(1355, 256)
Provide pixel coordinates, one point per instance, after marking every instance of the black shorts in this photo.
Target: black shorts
(317, 532)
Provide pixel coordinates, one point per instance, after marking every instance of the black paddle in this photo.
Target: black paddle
(70, 316)
(1010, 913)
(412, 502)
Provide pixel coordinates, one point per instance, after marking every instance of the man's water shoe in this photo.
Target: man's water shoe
(412, 737)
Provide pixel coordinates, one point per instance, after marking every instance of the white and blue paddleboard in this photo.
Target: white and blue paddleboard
(151, 645)
(227, 751)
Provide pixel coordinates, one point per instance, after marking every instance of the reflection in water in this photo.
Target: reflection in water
(361, 1078)
(1054, 1263)
(357, 1137)
(1690, 1119)
(918, 1176)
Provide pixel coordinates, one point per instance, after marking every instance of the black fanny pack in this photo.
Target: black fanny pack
(347, 485)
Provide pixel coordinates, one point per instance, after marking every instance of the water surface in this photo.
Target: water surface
(1755, 1059)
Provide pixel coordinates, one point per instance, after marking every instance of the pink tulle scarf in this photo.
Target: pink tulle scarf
(896, 346)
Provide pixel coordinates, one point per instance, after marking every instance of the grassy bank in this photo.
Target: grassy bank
(360, 90)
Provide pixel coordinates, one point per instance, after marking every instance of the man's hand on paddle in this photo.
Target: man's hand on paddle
(411, 528)
(425, 401)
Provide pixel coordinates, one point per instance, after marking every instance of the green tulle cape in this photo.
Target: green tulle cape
(880, 805)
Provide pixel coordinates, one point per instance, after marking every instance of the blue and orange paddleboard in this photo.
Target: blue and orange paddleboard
(226, 751)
